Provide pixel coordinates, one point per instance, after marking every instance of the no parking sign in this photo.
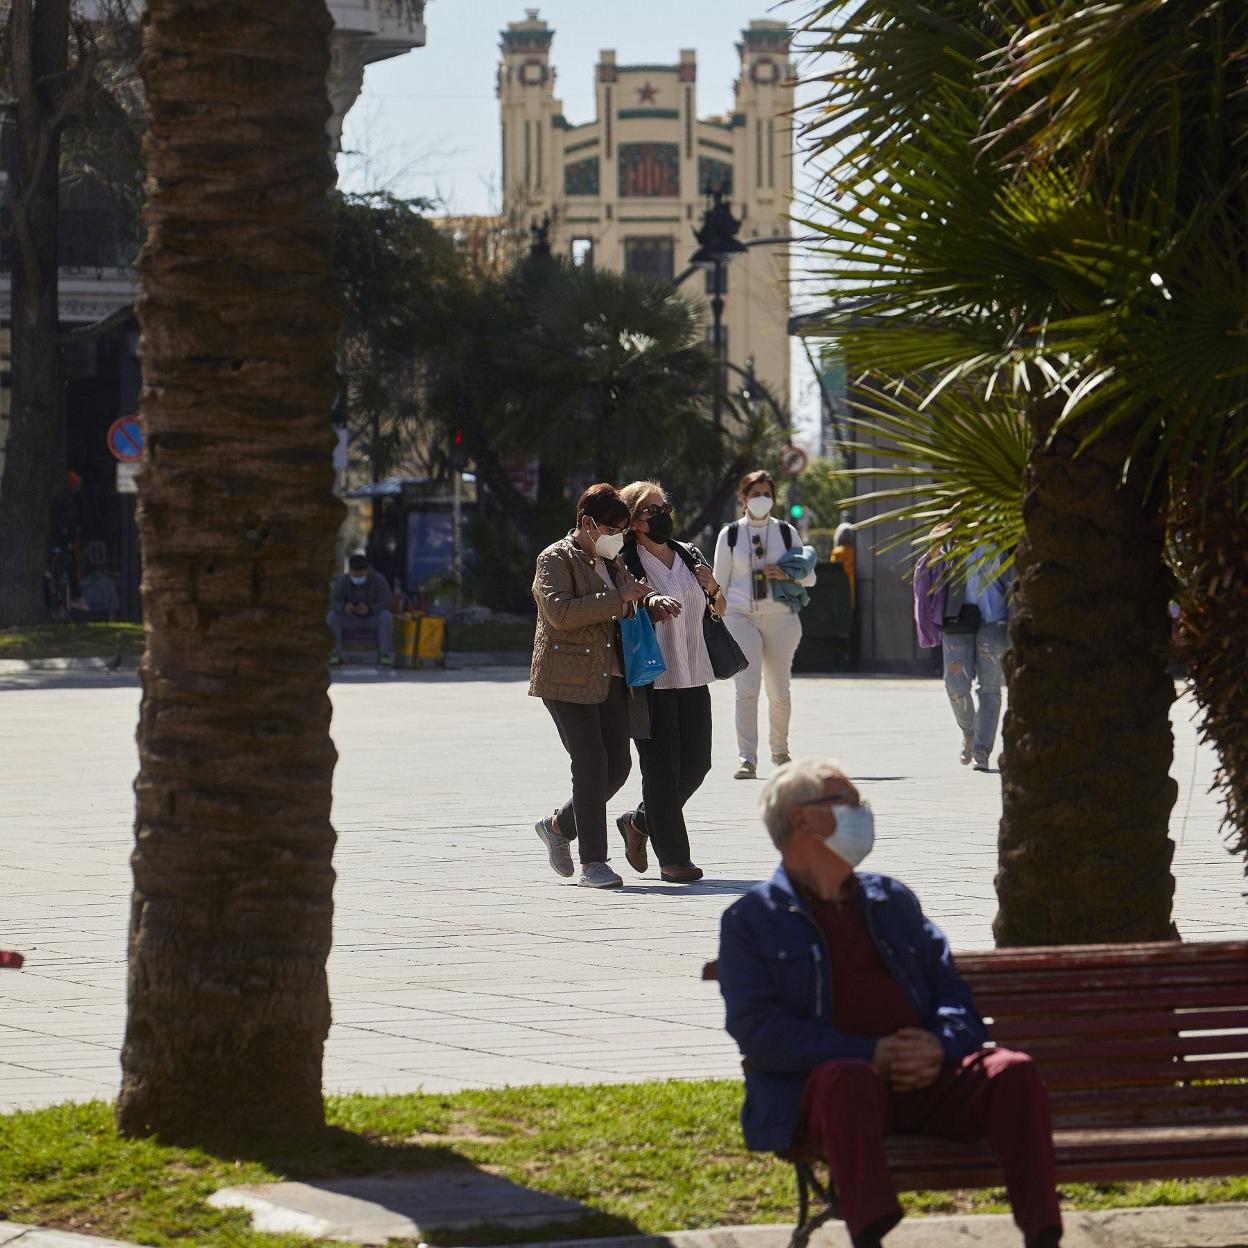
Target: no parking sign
(125, 439)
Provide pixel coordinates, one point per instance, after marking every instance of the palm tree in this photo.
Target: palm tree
(620, 377)
(966, 268)
(232, 907)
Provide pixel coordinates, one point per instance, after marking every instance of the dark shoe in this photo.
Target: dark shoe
(634, 842)
(678, 873)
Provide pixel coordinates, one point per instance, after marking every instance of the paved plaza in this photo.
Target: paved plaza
(460, 959)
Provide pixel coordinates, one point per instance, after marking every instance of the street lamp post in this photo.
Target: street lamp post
(717, 244)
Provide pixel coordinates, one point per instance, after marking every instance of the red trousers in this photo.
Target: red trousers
(994, 1094)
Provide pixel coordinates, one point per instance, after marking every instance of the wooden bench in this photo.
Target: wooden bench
(1144, 1049)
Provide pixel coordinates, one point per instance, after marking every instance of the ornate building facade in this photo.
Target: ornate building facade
(627, 189)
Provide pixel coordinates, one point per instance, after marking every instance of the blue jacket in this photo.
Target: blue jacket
(799, 563)
(776, 983)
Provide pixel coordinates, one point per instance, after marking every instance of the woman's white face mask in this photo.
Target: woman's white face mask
(608, 545)
(759, 506)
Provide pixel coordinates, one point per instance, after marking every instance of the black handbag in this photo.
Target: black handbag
(727, 658)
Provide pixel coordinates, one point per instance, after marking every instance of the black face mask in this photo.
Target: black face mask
(660, 527)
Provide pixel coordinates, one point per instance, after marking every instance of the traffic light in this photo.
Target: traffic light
(458, 456)
(796, 511)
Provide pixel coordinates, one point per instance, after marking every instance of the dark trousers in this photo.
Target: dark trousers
(674, 762)
(595, 736)
(995, 1095)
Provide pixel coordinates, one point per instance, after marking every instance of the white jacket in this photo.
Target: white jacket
(734, 567)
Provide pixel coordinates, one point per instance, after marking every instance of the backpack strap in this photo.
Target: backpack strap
(786, 532)
(732, 534)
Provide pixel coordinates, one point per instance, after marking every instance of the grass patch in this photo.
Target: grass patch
(71, 641)
(644, 1157)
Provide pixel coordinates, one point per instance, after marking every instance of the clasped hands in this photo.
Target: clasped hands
(660, 607)
(358, 608)
(909, 1059)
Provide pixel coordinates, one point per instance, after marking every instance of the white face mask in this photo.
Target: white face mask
(759, 506)
(855, 833)
(608, 545)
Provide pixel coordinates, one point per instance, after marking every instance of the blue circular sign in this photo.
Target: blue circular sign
(125, 439)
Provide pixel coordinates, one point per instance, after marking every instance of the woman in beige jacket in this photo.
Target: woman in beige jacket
(582, 589)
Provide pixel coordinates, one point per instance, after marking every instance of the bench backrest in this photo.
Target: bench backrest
(1124, 1034)
(1147, 1034)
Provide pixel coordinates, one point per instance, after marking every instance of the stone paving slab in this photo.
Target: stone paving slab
(373, 1209)
(1181, 1226)
(460, 960)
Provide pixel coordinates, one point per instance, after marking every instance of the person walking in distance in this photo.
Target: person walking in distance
(966, 613)
(677, 756)
(747, 561)
(582, 589)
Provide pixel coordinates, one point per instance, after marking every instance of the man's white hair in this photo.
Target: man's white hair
(787, 786)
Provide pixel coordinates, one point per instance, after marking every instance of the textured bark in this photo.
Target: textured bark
(34, 454)
(1084, 854)
(232, 908)
(1212, 546)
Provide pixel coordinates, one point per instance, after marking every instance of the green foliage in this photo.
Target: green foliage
(400, 282)
(957, 461)
(645, 1157)
(824, 490)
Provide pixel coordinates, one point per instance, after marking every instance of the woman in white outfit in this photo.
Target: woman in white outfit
(747, 556)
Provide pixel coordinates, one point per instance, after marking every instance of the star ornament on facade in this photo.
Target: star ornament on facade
(647, 94)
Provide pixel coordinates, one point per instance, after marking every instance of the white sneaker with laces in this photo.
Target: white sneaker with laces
(557, 846)
(598, 875)
(746, 770)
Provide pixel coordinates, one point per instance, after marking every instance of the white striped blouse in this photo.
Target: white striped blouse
(681, 640)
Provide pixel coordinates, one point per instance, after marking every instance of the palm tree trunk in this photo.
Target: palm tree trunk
(1212, 544)
(232, 908)
(1084, 853)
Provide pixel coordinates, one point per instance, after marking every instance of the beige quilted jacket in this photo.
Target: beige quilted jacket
(576, 616)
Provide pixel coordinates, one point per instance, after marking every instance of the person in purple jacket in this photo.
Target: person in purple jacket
(853, 1021)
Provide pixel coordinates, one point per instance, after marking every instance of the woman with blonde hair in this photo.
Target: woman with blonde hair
(677, 756)
(748, 554)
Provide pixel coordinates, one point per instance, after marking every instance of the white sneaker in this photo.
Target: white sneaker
(557, 845)
(745, 771)
(598, 875)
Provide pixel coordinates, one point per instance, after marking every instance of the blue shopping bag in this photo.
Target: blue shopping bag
(643, 660)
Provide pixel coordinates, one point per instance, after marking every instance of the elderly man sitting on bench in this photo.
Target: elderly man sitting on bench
(853, 1022)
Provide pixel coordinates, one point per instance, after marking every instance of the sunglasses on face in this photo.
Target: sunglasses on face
(654, 509)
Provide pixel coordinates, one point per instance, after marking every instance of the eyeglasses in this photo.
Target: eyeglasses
(654, 509)
(830, 802)
(608, 530)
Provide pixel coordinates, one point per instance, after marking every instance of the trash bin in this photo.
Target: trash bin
(405, 650)
(431, 640)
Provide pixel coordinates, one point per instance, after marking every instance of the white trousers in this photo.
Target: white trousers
(769, 642)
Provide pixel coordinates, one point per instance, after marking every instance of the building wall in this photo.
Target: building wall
(629, 186)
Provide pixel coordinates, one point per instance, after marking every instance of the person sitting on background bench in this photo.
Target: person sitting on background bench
(361, 598)
(853, 1022)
